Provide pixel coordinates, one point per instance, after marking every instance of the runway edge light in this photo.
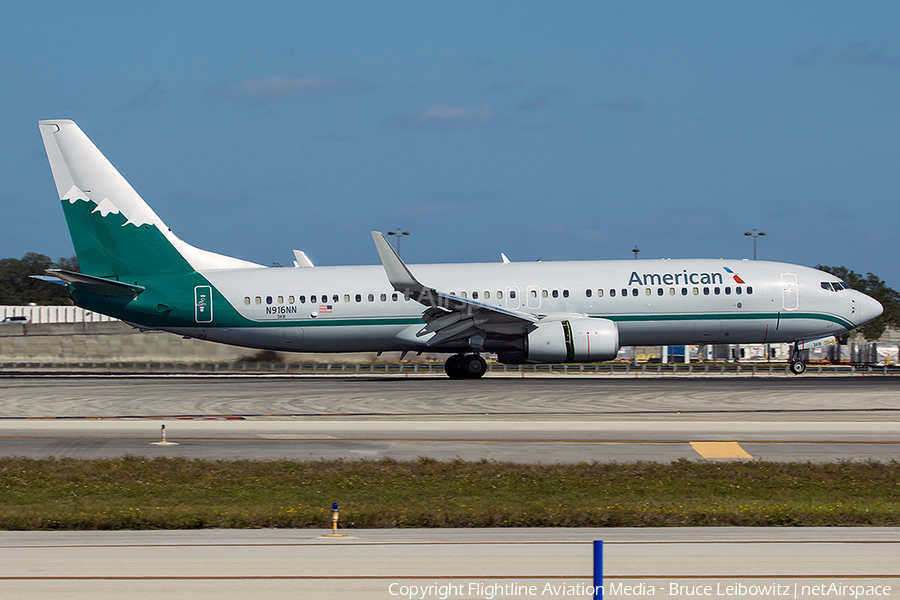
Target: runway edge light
(163, 442)
(335, 514)
(598, 570)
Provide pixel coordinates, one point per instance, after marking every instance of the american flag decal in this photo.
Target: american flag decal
(324, 308)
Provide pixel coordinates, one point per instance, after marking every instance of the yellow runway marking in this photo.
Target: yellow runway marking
(719, 450)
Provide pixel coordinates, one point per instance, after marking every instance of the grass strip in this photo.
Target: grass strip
(173, 493)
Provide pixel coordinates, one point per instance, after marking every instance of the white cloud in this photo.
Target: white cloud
(447, 116)
(281, 86)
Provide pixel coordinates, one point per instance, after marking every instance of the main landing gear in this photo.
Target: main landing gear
(798, 367)
(465, 366)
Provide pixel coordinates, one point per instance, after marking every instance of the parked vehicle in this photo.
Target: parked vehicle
(16, 320)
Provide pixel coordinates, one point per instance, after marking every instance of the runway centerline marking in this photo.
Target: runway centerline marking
(720, 450)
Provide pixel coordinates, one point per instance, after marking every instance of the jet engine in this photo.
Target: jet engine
(572, 340)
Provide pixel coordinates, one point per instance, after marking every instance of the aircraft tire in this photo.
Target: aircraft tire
(798, 367)
(453, 367)
(474, 366)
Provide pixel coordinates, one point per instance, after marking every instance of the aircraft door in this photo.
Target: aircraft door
(789, 291)
(512, 297)
(203, 304)
(533, 296)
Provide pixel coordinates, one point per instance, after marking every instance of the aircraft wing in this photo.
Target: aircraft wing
(448, 317)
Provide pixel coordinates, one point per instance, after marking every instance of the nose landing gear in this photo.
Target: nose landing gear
(797, 366)
(465, 366)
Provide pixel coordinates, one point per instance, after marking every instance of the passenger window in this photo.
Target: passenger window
(258, 300)
(312, 299)
(717, 291)
(534, 293)
(487, 295)
(512, 293)
(394, 296)
(672, 291)
(728, 291)
(346, 297)
(474, 295)
(706, 291)
(268, 299)
(684, 291)
(634, 292)
(462, 295)
(247, 300)
(371, 297)
(599, 293)
(749, 290)
(587, 293)
(280, 299)
(659, 291)
(359, 298)
(737, 290)
(499, 295)
(544, 293)
(335, 298)
(565, 293)
(290, 299)
(302, 299)
(648, 292)
(624, 292)
(555, 293)
(384, 297)
(612, 293)
(695, 291)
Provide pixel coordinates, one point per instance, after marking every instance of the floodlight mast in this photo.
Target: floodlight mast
(755, 234)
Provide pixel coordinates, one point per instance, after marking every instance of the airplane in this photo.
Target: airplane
(134, 268)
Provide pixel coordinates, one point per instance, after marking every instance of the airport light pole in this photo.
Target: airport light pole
(400, 233)
(636, 250)
(755, 234)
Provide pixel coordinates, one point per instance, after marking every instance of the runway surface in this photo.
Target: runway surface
(534, 420)
(383, 564)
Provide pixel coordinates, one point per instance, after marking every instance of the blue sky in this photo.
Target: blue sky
(563, 130)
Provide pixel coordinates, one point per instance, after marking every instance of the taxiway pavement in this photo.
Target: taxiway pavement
(384, 564)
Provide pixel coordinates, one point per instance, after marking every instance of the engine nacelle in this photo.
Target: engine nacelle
(572, 340)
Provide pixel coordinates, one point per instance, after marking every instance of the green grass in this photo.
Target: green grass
(164, 493)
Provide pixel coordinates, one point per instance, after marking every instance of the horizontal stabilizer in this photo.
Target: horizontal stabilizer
(49, 279)
(97, 285)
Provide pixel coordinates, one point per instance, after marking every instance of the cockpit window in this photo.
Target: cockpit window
(834, 286)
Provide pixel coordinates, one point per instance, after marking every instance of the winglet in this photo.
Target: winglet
(397, 273)
(301, 259)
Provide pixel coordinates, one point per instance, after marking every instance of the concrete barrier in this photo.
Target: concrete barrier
(105, 341)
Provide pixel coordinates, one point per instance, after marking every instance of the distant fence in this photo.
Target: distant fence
(54, 314)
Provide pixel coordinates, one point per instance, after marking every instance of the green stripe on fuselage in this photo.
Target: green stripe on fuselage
(730, 317)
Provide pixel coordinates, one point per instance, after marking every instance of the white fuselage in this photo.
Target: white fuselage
(696, 301)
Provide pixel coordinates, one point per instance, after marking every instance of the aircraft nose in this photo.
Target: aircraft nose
(867, 309)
